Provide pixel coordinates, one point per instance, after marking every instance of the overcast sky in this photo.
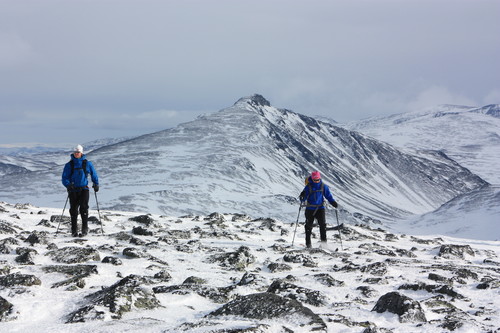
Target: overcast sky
(72, 71)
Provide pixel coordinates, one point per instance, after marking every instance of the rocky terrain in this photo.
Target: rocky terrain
(236, 273)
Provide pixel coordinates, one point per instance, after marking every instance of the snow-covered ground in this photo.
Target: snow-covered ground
(341, 284)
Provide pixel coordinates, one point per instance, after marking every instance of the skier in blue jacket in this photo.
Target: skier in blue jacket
(74, 177)
(314, 195)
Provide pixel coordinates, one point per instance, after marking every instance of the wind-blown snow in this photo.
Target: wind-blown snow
(253, 158)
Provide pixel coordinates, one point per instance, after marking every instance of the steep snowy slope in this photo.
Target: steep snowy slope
(253, 158)
(471, 136)
(472, 215)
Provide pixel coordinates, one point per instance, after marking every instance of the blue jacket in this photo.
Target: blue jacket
(314, 196)
(79, 178)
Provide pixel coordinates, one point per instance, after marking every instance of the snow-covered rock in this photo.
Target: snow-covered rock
(210, 273)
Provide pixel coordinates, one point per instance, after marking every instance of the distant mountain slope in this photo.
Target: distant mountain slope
(471, 136)
(252, 157)
(472, 215)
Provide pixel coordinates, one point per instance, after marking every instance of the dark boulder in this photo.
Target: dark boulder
(143, 219)
(271, 306)
(408, 310)
(112, 260)
(73, 270)
(451, 251)
(5, 309)
(18, 279)
(37, 237)
(141, 231)
(278, 267)
(26, 256)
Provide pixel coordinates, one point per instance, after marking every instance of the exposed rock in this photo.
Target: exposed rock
(215, 216)
(8, 228)
(189, 247)
(121, 297)
(278, 267)
(298, 258)
(73, 270)
(440, 289)
(451, 251)
(271, 306)
(405, 253)
(26, 256)
(489, 282)
(464, 273)
(143, 219)
(378, 268)
(178, 234)
(60, 219)
(4, 270)
(439, 278)
(163, 276)
(408, 310)
(5, 244)
(74, 255)
(238, 260)
(18, 279)
(301, 294)
(141, 231)
(252, 279)
(241, 218)
(132, 252)
(367, 291)
(112, 260)
(73, 283)
(194, 280)
(328, 280)
(37, 238)
(5, 309)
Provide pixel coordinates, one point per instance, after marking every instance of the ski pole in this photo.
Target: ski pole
(60, 218)
(296, 223)
(98, 211)
(338, 224)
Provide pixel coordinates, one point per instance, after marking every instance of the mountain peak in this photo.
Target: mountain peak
(254, 100)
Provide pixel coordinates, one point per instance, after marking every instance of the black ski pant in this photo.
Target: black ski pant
(318, 214)
(79, 203)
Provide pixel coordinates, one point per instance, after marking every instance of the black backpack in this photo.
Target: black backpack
(321, 190)
(84, 167)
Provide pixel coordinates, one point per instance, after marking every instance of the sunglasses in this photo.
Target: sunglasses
(316, 180)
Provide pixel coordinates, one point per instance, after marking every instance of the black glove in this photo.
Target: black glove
(334, 204)
(95, 187)
(70, 188)
(302, 196)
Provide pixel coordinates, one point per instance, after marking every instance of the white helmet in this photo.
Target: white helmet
(79, 149)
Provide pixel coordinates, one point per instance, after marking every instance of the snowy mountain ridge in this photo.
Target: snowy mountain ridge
(253, 157)
(470, 136)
